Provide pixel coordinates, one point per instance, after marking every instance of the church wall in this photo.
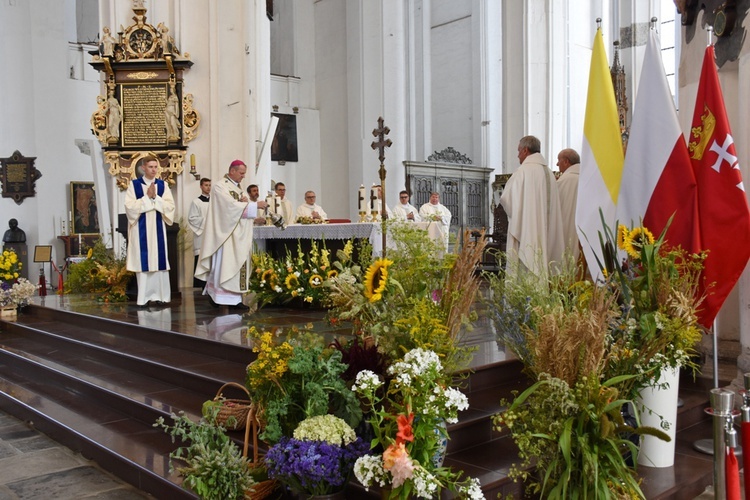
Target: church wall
(44, 113)
(453, 77)
(331, 62)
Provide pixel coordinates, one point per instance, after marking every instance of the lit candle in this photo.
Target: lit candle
(361, 198)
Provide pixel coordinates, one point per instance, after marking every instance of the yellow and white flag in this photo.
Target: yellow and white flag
(601, 158)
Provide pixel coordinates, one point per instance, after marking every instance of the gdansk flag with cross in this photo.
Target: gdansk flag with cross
(722, 202)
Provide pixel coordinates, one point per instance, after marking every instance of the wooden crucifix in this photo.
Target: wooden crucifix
(380, 145)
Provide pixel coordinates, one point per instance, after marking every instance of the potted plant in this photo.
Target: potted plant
(318, 460)
(408, 419)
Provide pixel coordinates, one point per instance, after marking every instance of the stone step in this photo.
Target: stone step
(97, 384)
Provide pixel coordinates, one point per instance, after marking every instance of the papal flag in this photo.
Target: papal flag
(722, 202)
(601, 158)
(657, 179)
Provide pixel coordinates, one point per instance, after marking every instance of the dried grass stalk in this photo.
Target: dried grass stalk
(462, 284)
(571, 344)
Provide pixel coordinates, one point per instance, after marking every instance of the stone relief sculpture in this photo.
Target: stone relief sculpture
(172, 116)
(114, 117)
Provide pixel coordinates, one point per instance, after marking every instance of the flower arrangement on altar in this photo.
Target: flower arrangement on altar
(318, 459)
(589, 349)
(10, 266)
(295, 379)
(310, 220)
(18, 293)
(408, 417)
(296, 277)
(101, 273)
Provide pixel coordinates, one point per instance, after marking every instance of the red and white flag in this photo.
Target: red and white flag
(722, 203)
(658, 181)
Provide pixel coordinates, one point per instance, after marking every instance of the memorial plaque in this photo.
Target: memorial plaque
(143, 109)
(18, 177)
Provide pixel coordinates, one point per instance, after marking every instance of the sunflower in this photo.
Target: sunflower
(637, 239)
(291, 282)
(267, 275)
(376, 278)
(315, 280)
(622, 235)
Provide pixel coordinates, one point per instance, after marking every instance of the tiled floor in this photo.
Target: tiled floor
(33, 466)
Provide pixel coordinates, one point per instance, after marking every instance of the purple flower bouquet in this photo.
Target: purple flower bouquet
(313, 467)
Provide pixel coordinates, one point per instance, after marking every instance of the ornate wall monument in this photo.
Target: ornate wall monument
(144, 109)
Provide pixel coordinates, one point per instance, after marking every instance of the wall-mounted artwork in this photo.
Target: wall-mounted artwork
(284, 145)
(85, 214)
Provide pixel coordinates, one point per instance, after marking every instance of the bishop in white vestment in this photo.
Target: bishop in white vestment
(225, 258)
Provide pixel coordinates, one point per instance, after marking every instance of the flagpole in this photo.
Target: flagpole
(715, 446)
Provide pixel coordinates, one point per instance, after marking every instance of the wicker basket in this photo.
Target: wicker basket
(240, 409)
(260, 490)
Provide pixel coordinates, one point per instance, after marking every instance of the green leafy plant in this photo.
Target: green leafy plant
(294, 380)
(214, 466)
(576, 439)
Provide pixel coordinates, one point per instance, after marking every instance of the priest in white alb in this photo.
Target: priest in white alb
(150, 208)
(532, 202)
(403, 210)
(568, 162)
(309, 209)
(225, 259)
(434, 211)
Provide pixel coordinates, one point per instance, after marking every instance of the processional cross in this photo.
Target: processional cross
(380, 145)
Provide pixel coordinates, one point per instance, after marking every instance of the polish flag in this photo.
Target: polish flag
(658, 181)
(722, 202)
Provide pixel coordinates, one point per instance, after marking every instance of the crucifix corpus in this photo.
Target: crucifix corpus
(380, 145)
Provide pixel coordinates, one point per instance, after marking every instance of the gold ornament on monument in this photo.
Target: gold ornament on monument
(143, 108)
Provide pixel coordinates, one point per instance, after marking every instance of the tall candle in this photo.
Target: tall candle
(372, 197)
(80, 249)
(361, 198)
(70, 218)
(192, 160)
